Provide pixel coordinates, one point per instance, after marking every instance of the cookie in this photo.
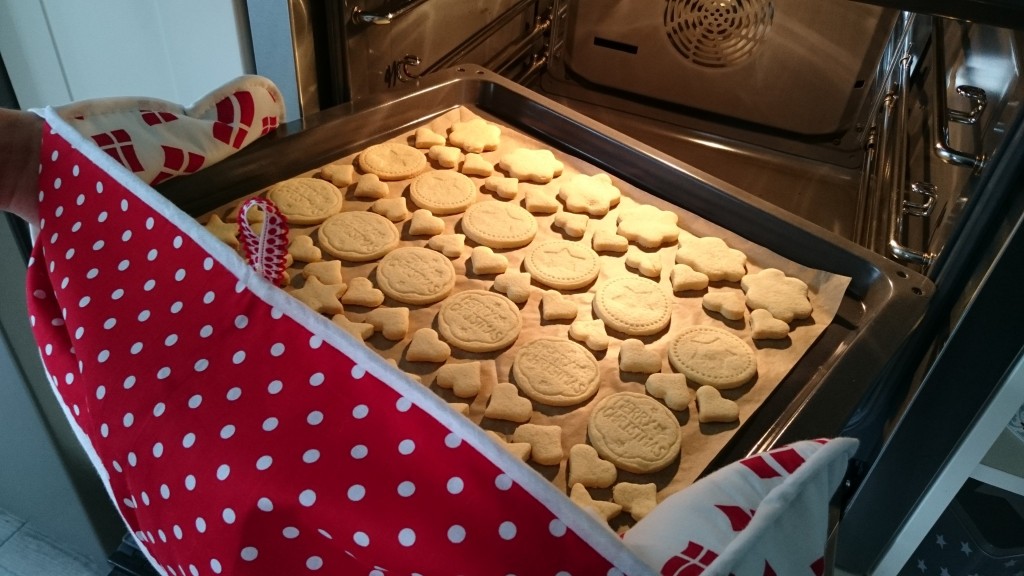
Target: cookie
(635, 357)
(684, 279)
(636, 499)
(506, 188)
(302, 249)
(556, 372)
(711, 256)
(328, 272)
(587, 468)
(606, 241)
(505, 403)
(477, 165)
(648, 226)
(594, 195)
(591, 333)
(633, 305)
(670, 388)
(358, 236)
(306, 200)
(563, 265)
(424, 223)
(341, 175)
(729, 304)
(450, 245)
(476, 135)
(392, 323)
(600, 509)
(540, 201)
(445, 156)
(425, 138)
(427, 347)
(414, 275)
(393, 209)
(369, 186)
(526, 165)
(462, 379)
(711, 407)
(764, 326)
(635, 432)
(520, 450)
(499, 225)
(323, 298)
(555, 306)
(572, 225)
(486, 261)
(443, 192)
(646, 263)
(514, 285)
(712, 356)
(785, 297)
(392, 161)
(362, 293)
(359, 330)
(479, 321)
(545, 442)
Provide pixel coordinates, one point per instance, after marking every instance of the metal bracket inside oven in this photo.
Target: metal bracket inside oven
(943, 115)
(386, 14)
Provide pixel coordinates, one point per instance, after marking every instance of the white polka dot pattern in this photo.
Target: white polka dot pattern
(252, 446)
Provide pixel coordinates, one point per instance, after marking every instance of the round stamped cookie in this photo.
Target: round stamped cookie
(417, 276)
(443, 192)
(499, 225)
(633, 305)
(306, 200)
(563, 265)
(635, 432)
(358, 236)
(556, 372)
(479, 321)
(711, 356)
(392, 161)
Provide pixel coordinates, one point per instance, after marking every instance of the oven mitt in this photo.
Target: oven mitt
(764, 515)
(158, 140)
(239, 432)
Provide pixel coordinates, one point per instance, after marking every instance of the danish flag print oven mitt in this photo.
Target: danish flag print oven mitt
(239, 432)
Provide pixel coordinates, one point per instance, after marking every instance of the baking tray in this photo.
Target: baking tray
(880, 309)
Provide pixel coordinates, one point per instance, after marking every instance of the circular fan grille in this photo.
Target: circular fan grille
(717, 33)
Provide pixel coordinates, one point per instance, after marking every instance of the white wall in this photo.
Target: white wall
(58, 51)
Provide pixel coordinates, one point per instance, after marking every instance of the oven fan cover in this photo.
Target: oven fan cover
(795, 65)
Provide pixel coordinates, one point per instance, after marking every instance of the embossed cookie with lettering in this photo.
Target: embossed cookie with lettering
(486, 261)
(359, 330)
(425, 138)
(573, 225)
(505, 403)
(328, 272)
(417, 276)
(606, 241)
(475, 135)
(392, 323)
(306, 200)
(540, 201)
(341, 175)
(424, 223)
(635, 432)
(323, 298)
(362, 293)
(499, 225)
(764, 326)
(587, 468)
(302, 249)
(712, 356)
(563, 264)
(648, 225)
(506, 188)
(599, 508)
(784, 296)
(463, 379)
(477, 165)
(633, 305)
(358, 236)
(635, 357)
(591, 333)
(526, 165)
(545, 442)
(555, 306)
(712, 256)
(479, 321)
(729, 304)
(445, 156)
(671, 388)
(711, 407)
(392, 161)
(443, 192)
(427, 347)
(643, 262)
(369, 186)
(637, 499)
(556, 372)
(393, 209)
(685, 279)
(514, 285)
(594, 195)
(450, 245)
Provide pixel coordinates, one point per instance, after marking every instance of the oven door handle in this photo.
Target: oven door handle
(386, 14)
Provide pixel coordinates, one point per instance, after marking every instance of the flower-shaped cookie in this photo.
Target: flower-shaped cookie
(772, 290)
(648, 226)
(594, 195)
(475, 135)
(712, 256)
(538, 166)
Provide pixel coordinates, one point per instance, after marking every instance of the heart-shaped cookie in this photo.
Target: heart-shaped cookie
(514, 285)
(506, 404)
(671, 388)
(393, 209)
(477, 165)
(635, 357)
(520, 450)
(369, 186)
(485, 261)
(599, 508)
(590, 332)
(555, 306)
(731, 305)
(426, 138)
(328, 272)
(711, 407)
(586, 467)
(362, 293)
(302, 249)
(764, 326)
(448, 244)
(648, 264)
(426, 346)
(545, 442)
(540, 201)
(424, 223)
(506, 188)
(393, 323)
(574, 225)
(359, 330)
(607, 241)
(462, 379)
(684, 279)
(445, 156)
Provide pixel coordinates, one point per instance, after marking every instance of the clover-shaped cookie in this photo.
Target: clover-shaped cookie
(607, 241)
(505, 403)
(574, 225)
(590, 332)
(712, 256)
(445, 156)
(711, 407)
(506, 188)
(594, 195)
(671, 388)
(323, 298)
(426, 346)
(545, 442)
(370, 186)
(393, 323)
(426, 138)
(477, 165)
(362, 293)
(555, 306)
(637, 499)
(476, 135)
(486, 261)
(328, 272)
(448, 244)
(729, 304)
(648, 225)
(540, 201)
(341, 175)
(538, 166)
(514, 285)
(764, 326)
(599, 508)
(685, 279)
(635, 357)
(586, 467)
(424, 223)
(462, 379)
(359, 330)
(785, 297)
(646, 263)
(302, 249)
(393, 209)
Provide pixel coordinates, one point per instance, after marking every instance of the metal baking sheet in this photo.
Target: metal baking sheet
(817, 397)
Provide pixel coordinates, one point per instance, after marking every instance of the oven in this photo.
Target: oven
(881, 140)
